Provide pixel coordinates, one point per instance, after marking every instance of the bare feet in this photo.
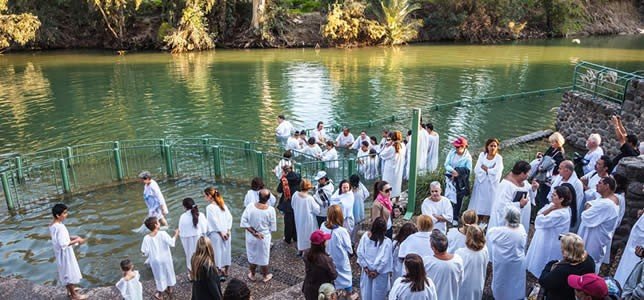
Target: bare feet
(267, 277)
(251, 276)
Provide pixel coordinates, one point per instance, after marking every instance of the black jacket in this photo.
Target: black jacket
(207, 287)
(294, 180)
(555, 282)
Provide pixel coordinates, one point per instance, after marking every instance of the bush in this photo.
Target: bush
(192, 33)
(395, 19)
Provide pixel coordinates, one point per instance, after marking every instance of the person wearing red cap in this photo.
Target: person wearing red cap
(318, 265)
(458, 166)
(588, 286)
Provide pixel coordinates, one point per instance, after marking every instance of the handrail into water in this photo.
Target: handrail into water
(601, 81)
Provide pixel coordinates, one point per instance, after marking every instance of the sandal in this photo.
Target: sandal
(267, 278)
(251, 277)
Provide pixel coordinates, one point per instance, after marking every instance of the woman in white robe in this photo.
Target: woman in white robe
(319, 134)
(344, 197)
(432, 148)
(259, 220)
(507, 250)
(397, 262)
(415, 284)
(393, 157)
(360, 194)
(629, 259)
(153, 198)
(488, 172)
(418, 242)
(552, 220)
(456, 235)
(339, 247)
(330, 156)
(375, 258)
(438, 207)
(156, 246)
(475, 259)
(252, 196)
(69, 273)
(305, 209)
(220, 225)
(189, 231)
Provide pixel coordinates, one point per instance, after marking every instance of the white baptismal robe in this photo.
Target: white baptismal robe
(344, 141)
(312, 151)
(455, 240)
(305, 209)
(397, 266)
(504, 195)
(330, 157)
(190, 234)
(376, 258)
(258, 251)
(417, 243)
(474, 272)
(359, 195)
(220, 221)
(402, 291)
(393, 168)
(66, 263)
(339, 248)
(545, 245)
(597, 227)
(432, 153)
(485, 183)
(157, 249)
(154, 199)
(423, 149)
(284, 129)
(442, 207)
(346, 201)
(446, 274)
(252, 196)
(507, 251)
(131, 289)
(629, 259)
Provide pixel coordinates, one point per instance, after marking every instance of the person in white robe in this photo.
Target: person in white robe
(403, 233)
(598, 222)
(312, 150)
(344, 139)
(456, 235)
(252, 196)
(438, 207)
(488, 172)
(432, 148)
(69, 273)
(360, 194)
(293, 144)
(191, 232)
(419, 242)
(375, 258)
(475, 260)
(259, 220)
(407, 156)
(407, 287)
(552, 220)
(445, 269)
(129, 285)
(362, 157)
(567, 175)
(339, 247)
(305, 209)
(372, 165)
(629, 259)
(511, 187)
(220, 225)
(507, 250)
(284, 127)
(319, 134)
(344, 197)
(322, 194)
(363, 137)
(156, 247)
(330, 156)
(153, 197)
(285, 161)
(393, 158)
(423, 149)
(594, 152)
(590, 180)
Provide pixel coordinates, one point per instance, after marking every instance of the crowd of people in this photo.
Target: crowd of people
(444, 254)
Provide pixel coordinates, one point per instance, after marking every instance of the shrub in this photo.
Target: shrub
(192, 33)
(395, 18)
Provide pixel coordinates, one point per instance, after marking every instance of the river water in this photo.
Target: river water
(54, 99)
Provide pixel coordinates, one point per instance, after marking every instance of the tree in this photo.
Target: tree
(192, 33)
(394, 17)
(114, 15)
(19, 28)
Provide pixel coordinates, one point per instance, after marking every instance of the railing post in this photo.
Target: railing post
(393, 118)
(247, 148)
(19, 173)
(298, 168)
(413, 176)
(216, 159)
(62, 164)
(204, 142)
(7, 191)
(161, 144)
(68, 156)
(117, 161)
(260, 164)
(168, 160)
(351, 166)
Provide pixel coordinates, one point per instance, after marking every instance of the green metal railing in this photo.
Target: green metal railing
(601, 81)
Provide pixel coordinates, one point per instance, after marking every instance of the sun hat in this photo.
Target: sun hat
(320, 175)
(460, 142)
(318, 237)
(590, 284)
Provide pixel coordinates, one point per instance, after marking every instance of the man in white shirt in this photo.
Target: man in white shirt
(363, 137)
(345, 139)
(445, 269)
(594, 152)
(284, 128)
(567, 175)
(590, 180)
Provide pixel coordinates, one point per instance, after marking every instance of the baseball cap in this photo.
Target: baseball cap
(460, 142)
(320, 174)
(318, 237)
(590, 284)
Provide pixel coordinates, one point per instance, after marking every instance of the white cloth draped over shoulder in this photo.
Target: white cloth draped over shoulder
(442, 207)
(263, 221)
(339, 248)
(157, 249)
(131, 289)
(189, 233)
(402, 291)
(305, 209)
(393, 167)
(597, 226)
(485, 183)
(330, 157)
(312, 150)
(474, 272)
(252, 196)
(455, 240)
(446, 274)
(432, 152)
(545, 245)
(507, 252)
(220, 221)
(376, 258)
(504, 195)
(66, 263)
(417, 243)
(629, 259)
(346, 201)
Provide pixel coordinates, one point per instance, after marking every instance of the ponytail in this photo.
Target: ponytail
(216, 196)
(189, 204)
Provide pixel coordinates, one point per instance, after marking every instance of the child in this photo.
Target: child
(339, 248)
(130, 286)
(68, 271)
(156, 246)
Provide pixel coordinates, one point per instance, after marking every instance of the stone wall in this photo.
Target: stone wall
(633, 169)
(580, 115)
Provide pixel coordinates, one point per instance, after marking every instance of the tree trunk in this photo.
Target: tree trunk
(259, 7)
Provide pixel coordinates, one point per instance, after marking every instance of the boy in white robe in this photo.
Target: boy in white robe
(445, 269)
(372, 162)
(438, 207)
(69, 273)
(156, 246)
(362, 156)
(130, 285)
(375, 258)
(259, 220)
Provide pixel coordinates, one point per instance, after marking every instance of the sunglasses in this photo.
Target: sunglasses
(388, 190)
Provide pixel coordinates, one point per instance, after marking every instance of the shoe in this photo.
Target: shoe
(223, 278)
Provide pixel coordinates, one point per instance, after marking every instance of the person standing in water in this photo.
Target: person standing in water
(153, 198)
